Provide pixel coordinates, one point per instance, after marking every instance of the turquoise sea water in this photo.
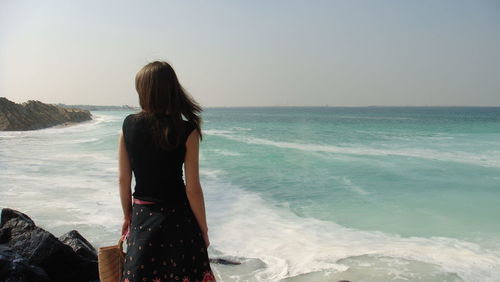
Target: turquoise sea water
(297, 194)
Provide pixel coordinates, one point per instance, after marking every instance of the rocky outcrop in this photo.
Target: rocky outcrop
(14, 267)
(33, 115)
(29, 253)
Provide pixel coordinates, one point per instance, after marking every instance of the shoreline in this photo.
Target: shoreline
(65, 124)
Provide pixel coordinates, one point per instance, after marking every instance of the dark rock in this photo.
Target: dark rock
(223, 261)
(33, 115)
(8, 214)
(14, 268)
(79, 244)
(39, 247)
(15, 222)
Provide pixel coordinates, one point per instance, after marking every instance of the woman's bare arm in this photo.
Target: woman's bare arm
(193, 186)
(124, 178)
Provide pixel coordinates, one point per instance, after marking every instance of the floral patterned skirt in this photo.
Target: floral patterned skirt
(165, 244)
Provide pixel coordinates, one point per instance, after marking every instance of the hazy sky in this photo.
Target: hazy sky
(254, 53)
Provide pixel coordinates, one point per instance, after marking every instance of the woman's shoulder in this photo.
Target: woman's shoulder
(189, 126)
(131, 119)
(134, 116)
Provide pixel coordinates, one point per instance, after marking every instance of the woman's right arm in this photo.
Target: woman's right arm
(193, 186)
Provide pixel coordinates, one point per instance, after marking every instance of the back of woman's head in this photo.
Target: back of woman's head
(160, 93)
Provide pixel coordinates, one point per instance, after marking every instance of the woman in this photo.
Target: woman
(165, 222)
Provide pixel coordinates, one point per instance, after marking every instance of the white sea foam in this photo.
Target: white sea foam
(237, 128)
(245, 225)
(353, 187)
(487, 160)
(217, 132)
(225, 152)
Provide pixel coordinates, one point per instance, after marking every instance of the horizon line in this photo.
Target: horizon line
(272, 106)
(311, 106)
(287, 106)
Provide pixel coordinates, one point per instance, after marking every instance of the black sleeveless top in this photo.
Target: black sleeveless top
(157, 171)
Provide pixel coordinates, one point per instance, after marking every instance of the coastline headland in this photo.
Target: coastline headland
(32, 115)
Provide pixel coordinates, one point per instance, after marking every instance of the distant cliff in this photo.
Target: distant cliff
(101, 108)
(36, 115)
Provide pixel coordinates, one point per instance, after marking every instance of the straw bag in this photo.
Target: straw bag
(110, 260)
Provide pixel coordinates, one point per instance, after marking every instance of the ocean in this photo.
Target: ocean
(296, 193)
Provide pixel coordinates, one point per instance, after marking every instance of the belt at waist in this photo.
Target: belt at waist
(141, 202)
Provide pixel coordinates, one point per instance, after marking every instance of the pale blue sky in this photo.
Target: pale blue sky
(255, 53)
